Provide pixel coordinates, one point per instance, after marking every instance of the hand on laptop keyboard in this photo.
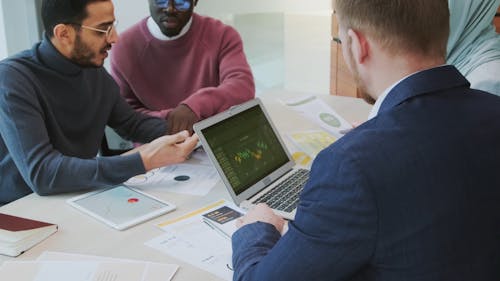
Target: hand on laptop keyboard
(261, 213)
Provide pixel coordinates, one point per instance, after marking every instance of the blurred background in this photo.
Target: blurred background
(287, 42)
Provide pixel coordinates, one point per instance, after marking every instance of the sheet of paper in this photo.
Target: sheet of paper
(190, 239)
(318, 111)
(78, 271)
(165, 270)
(200, 157)
(311, 142)
(191, 179)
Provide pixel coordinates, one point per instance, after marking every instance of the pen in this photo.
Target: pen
(216, 228)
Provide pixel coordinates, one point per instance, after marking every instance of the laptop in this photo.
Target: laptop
(251, 158)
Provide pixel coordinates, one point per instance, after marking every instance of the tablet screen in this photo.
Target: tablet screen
(121, 206)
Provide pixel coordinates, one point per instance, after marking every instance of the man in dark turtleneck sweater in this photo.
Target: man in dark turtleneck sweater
(55, 101)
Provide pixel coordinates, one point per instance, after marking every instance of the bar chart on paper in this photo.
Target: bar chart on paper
(311, 142)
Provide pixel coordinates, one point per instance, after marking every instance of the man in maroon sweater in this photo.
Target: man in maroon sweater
(181, 66)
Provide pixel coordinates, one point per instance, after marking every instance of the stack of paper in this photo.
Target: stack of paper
(19, 234)
(202, 238)
(53, 266)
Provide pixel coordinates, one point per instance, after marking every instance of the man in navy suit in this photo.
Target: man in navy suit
(411, 194)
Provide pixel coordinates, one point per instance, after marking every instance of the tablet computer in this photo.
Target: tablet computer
(120, 207)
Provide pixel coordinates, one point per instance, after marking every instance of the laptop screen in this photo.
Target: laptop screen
(245, 147)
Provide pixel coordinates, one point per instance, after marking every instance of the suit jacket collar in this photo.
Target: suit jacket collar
(424, 82)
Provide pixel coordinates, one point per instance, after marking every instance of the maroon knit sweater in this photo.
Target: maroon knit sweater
(206, 69)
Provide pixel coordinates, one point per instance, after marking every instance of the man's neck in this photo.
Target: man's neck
(59, 47)
(392, 69)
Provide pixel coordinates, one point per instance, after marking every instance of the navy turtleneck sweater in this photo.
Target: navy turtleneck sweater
(52, 118)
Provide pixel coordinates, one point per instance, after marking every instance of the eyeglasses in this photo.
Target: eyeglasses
(108, 31)
(179, 5)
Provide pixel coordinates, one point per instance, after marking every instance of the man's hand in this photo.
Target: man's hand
(181, 118)
(167, 150)
(262, 213)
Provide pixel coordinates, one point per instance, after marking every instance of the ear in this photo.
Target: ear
(64, 34)
(360, 46)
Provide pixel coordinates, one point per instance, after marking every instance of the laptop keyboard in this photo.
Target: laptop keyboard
(285, 196)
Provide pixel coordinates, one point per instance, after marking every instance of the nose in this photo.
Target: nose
(170, 6)
(113, 38)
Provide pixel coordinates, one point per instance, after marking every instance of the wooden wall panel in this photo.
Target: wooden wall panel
(497, 20)
(341, 81)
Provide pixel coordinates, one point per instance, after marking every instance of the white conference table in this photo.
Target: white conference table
(81, 234)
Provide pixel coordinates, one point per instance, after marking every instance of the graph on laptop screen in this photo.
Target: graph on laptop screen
(245, 147)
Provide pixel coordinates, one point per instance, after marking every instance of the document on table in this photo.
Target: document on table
(311, 142)
(200, 157)
(319, 112)
(191, 179)
(82, 271)
(197, 238)
(164, 270)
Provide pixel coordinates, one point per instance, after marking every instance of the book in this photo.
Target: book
(223, 220)
(20, 234)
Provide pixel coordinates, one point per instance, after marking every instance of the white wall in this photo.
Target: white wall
(307, 52)
(262, 6)
(129, 12)
(19, 25)
(3, 39)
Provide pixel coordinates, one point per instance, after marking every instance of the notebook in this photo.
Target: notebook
(252, 159)
(20, 234)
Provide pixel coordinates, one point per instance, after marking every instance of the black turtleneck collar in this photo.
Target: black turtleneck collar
(53, 59)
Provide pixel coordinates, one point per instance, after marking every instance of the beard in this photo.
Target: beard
(84, 56)
(362, 89)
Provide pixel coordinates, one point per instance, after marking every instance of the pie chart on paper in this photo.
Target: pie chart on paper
(330, 120)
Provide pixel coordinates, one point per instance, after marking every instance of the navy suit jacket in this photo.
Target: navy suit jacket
(412, 194)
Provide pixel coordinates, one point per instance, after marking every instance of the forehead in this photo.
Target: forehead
(164, 1)
(99, 12)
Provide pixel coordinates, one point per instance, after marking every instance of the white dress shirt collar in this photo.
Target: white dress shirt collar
(155, 30)
(381, 98)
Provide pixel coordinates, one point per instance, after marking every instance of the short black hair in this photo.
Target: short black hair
(55, 12)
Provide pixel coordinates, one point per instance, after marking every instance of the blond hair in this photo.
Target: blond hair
(417, 26)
